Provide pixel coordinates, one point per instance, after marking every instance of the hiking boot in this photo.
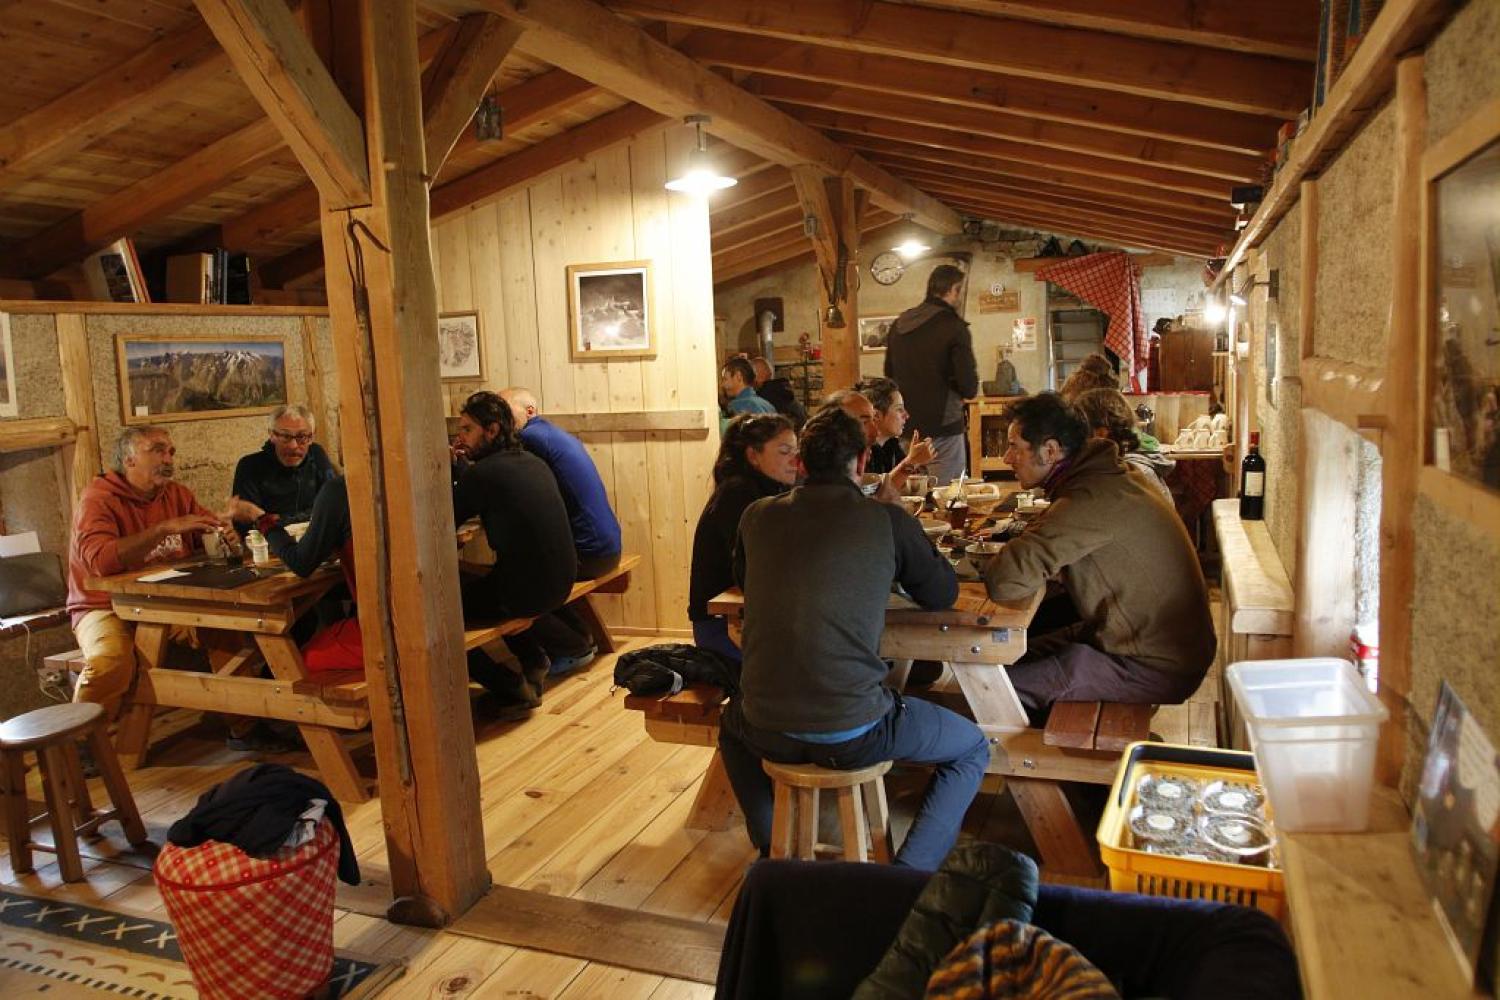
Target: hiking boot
(491, 707)
(508, 687)
(261, 738)
(567, 664)
(536, 676)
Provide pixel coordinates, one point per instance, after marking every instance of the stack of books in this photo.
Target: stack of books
(215, 277)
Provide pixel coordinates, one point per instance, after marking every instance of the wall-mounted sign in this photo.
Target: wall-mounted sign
(1023, 333)
(990, 302)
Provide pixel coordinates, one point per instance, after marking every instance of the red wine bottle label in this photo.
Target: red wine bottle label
(1255, 484)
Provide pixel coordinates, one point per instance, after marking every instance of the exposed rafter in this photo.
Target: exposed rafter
(459, 77)
(589, 40)
(1234, 81)
(281, 68)
(757, 259)
(987, 90)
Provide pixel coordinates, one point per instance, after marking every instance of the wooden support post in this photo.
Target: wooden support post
(81, 455)
(834, 208)
(317, 401)
(383, 307)
(1401, 456)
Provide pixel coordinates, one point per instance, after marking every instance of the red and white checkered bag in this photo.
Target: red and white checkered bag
(253, 928)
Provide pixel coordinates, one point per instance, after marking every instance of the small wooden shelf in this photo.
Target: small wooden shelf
(1361, 920)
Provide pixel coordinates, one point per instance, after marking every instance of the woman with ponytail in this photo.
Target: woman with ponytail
(757, 458)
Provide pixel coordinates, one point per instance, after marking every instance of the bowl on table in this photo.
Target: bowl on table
(913, 505)
(979, 554)
(934, 528)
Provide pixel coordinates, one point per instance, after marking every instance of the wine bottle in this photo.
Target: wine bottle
(1253, 482)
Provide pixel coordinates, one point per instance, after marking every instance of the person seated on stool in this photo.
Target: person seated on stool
(128, 518)
(525, 521)
(596, 530)
(1144, 634)
(757, 458)
(817, 565)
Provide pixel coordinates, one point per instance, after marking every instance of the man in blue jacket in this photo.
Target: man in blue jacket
(596, 530)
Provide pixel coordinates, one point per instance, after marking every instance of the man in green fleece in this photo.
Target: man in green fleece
(1144, 633)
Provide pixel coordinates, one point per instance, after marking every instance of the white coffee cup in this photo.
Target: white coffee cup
(214, 546)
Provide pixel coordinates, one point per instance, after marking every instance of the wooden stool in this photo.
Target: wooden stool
(54, 732)
(863, 814)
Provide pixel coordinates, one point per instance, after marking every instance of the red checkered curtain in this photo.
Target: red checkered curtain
(1112, 283)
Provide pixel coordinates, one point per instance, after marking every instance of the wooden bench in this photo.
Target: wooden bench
(691, 717)
(1258, 609)
(616, 581)
(1097, 725)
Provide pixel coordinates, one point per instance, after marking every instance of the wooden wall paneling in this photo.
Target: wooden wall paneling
(487, 295)
(590, 236)
(1325, 589)
(550, 260)
(668, 536)
(450, 257)
(626, 387)
(317, 402)
(697, 366)
(81, 455)
(517, 279)
(1401, 456)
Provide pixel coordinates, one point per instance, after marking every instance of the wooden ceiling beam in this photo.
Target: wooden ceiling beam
(751, 211)
(778, 178)
(158, 196)
(922, 174)
(770, 255)
(988, 91)
(1285, 28)
(996, 203)
(866, 127)
(527, 103)
(1104, 213)
(1051, 135)
(589, 40)
(279, 65)
(788, 220)
(458, 78)
(107, 102)
(891, 153)
(1234, 81)
(1063, 225)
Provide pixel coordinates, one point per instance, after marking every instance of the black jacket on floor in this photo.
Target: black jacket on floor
(255, 811)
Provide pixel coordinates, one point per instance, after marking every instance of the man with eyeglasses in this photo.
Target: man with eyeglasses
(286, 474)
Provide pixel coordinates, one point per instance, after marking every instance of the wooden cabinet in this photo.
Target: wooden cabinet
(987, 425)
(1187, 361)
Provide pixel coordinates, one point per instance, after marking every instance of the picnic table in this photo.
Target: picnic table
(978, 638)
(254, 607)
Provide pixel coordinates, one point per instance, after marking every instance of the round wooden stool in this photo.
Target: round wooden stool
(863, 814)
(53, 733)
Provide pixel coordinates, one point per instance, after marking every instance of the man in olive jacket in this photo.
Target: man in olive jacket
(930, 355)
(1144, 634)
(817, 565)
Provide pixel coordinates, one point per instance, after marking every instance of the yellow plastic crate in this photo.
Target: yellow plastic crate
(1132, 870)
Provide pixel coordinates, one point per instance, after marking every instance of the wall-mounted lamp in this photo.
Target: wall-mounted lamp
(701, 177)
(912, 245)
(1214, 312)
(1272, 285)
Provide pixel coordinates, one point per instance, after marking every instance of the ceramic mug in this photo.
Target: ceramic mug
(920, 485)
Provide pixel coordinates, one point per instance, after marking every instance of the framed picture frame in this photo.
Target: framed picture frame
(873, 332)
(460, 347)
(610, 311)
(168, 377)
(8, 407)
(1460, 281)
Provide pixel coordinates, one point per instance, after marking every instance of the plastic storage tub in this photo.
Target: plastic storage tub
(1314, 728)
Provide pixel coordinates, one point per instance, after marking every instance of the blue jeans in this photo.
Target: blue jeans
(913, 731)
(714, 634)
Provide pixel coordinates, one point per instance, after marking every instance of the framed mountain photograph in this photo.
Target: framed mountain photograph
(165, 378)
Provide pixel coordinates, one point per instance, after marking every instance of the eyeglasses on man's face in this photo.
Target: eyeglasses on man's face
(286, 437)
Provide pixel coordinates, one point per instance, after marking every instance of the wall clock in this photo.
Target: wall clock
(887, 268)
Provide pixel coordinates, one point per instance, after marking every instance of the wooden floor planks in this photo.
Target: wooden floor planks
(578, 804)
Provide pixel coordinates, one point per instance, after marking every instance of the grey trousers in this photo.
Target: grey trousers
(1059, 667)
(952, 458)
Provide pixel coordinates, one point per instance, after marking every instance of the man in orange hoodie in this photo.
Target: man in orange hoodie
(128, 518)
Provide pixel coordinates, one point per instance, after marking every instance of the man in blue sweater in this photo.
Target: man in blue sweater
(596, 530)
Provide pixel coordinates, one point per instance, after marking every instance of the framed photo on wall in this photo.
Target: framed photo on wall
(460, 347)
(166, 377)
(7, 370)
(609, 311)
(1461, 310)
(873, 331)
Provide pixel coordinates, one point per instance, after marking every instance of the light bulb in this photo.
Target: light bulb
(1214, 313)
(911, 247)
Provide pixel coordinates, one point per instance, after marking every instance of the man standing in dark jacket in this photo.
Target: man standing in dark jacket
(817, 566)
(930, 355)
(284, 477)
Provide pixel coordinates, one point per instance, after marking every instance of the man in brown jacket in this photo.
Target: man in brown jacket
(1144, 632)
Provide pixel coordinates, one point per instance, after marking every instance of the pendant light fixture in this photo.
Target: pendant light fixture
(912, 245)
(701, 177)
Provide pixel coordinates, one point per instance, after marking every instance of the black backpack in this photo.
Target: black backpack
(665, 669)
